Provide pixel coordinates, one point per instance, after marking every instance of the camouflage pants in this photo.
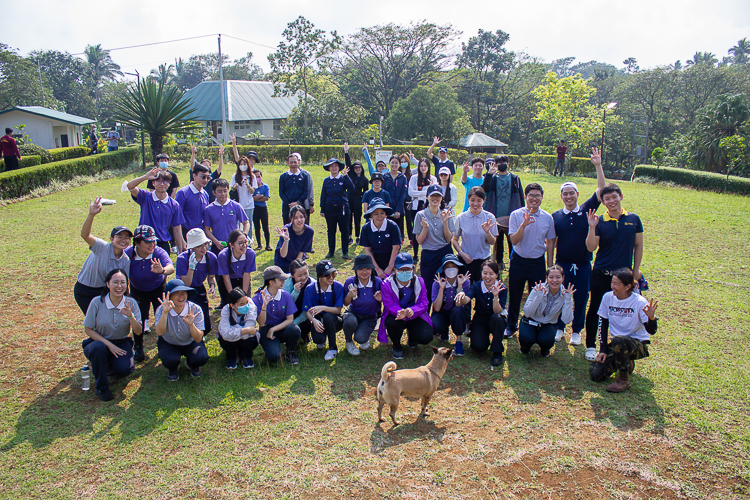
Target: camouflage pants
(619, 354)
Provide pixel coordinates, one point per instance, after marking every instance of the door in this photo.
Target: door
(64, 140)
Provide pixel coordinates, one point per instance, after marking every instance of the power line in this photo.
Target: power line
(248, 41)
(155, 43)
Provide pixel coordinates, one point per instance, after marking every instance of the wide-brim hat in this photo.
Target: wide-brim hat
(196, 237)
(375, 204)
(333, 161)
(363, 261)
(450, 259)
(177, 285)
(377, 176)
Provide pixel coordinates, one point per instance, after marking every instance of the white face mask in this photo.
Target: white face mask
(451, 272)
(243, 167)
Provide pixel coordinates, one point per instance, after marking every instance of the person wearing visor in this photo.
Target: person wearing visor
(322, 304)
(195, 266)
(381, 238)
(363, 299)
(446, 313)
(334, 205)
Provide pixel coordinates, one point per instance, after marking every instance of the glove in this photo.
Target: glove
(193, 262)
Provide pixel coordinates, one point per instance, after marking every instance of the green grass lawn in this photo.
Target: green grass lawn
(537, 428)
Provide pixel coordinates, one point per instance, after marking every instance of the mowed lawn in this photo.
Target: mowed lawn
(537, 428)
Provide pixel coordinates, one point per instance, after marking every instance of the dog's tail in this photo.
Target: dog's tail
(387, 369)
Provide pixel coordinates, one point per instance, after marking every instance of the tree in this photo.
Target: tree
(164, 110)
(631, 65)
(70, 79)
(561, 67)
(741, 52)
(243, 69)
(725, 116)
(163, 74)
(22, 84)
(428, 111)
(706, 58)
(294, 61)
(188, 74)
(735, 149)
(101, 65)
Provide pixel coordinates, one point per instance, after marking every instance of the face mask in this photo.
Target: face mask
(243, 167)
(502, 167)
(451, 272)
(163, 165)
(404, 276)
(404, 165)
(242, 310)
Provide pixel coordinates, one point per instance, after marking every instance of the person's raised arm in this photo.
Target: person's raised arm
(234, 148)
(150, 175)
(515, 238)
(193, 153)
(596, 159)
(465, 174)
(435, 142)
(94, 208)
(592, 240)
(366, 154)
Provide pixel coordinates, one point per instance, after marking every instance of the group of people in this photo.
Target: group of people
(550, 255)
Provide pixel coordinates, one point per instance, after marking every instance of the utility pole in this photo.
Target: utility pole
(41, 85)
(223, 96)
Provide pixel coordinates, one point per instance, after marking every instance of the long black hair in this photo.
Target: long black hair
(423, 180)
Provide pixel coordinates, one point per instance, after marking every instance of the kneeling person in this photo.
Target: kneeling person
(547, 304)
(322, 305)
(363, 299)
(238, 331)
(445, 313)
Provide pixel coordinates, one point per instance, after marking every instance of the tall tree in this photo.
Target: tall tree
(163, 75)
(724, 116)
(102, 66)
(427, 112)
(741, 52)
(706, 58)
(631, 65)
(71, 80)
(22, 83)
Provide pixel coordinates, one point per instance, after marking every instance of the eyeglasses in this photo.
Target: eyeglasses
(161, 181)
(205, 176)
(242, 243)
(534, 196)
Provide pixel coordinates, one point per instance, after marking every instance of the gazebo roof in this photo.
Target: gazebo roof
(480, 140)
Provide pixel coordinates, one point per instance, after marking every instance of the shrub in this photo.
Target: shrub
(32, 149)
(20, 182)
(576, 165)
(708, 181)
(60, 154)
(25, 161)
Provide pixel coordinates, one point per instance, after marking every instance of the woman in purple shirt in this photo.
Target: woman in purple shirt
(363, 299)
(196, 265)
(236, 262)
(276, 317)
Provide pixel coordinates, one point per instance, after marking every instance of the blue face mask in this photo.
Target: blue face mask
(242, 310)
(163, 165)
(404, 276)
(404, 165)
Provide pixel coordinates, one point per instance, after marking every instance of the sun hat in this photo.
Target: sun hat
(377, 176)
(450, 259)
(177, 285)
(375, 204)
(363, 261)
(196, 237)
(333, 161)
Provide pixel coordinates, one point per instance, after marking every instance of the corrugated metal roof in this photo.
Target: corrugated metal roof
(51, 113)
(480, 140)
(245, 100)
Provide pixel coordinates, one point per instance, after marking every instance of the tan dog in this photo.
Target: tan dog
(420, 382)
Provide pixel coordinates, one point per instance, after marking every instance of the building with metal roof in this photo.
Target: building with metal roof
(249, 106)
(481, 142)
(46, 127)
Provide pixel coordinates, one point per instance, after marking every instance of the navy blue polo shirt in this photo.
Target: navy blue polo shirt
(316, 297)
(297, 243)
(571, 229)
(336, 190)
(380, 241)
(483, 299)
(365, 304)
(382, 194)
(397, 189)
(439, 164)
(616, 241)
(293, 187)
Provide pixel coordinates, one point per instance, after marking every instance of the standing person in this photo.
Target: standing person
(322, 305)
(631, 319)
(295, 239)
(450, 194)
(380, 238)
(113, 138)
(618, 235)
(193, 199)
(361, 185)
(10, 151)
(103, 258)
(532, 232)
(446, 314)
(571, 228)
(405, 308)
(179, 325)
(295, 285)
(363, 299)
(149, 267)
(93, 140)
(408, 212)
(238, 330)
(276, 317)
(418, 184)
(294, 189)
(476, 179)
(244, 183)
(334, 205)
(433, 229)
(222, 217)
(195, 266)
(377, 191)
(158, 210)
(442, 159)
(489, 295)
(260, 215)
(109, 320)
(206, 162)
(394, 183)
(504, 195)
(162, 163)
(547, 304)
(475, 233)
(560, 162)
(236, 262)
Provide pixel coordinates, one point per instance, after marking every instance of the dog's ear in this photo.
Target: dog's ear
(434, 350)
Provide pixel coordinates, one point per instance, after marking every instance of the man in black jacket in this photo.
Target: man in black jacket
(504, 194)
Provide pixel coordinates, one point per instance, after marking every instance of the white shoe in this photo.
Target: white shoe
(590, 354)
(330, 355)
(321, 346)
(365, 346)
(146, 327)
(559, 336)
(575, 338)
(352, 349)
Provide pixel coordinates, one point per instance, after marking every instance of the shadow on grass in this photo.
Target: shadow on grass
(631, 409)
(422, 429)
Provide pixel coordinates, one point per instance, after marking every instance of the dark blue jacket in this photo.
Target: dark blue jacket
(336, 191)
(295, 188)
(397, 189)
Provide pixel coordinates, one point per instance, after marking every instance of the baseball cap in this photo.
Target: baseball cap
(403, 260)
(120, 229)
(443, 150)
(273, 272)
(434, 189)
(324, 268)
(444, 170)
(568, 184)
(146, 233)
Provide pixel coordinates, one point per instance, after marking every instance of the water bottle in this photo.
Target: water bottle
(85, 378)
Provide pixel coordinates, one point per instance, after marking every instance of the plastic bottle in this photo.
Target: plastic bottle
(85, 378)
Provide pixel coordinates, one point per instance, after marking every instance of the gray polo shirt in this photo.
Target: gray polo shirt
(107, 320)
(100, 262)
(469, 229)
(178, 332)
(532, 245)
(435, 238)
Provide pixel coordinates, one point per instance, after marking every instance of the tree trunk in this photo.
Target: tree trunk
(157, 145)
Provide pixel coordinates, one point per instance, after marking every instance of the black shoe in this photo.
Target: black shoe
(497, 358)
(346, 256)
(398, 353)
(248, 363)
(138, 355)
(292, 358)
(312, 251)
(329, 255)
(410, 345)
(173, 376)
(218, 308)
(105, 395)
(259, 247)
(196, 372)
(351, 241)
(268, 248)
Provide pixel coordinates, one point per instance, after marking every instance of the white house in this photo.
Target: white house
(46, 127)
(249, 107)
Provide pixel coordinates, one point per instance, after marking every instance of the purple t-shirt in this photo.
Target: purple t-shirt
(365, 304)
(192, 204)
(223, 219)
(161, 215)
(209, 265)
(237, 268)
(297, 243)
(141, 276)
(449, 294)
(281, 306)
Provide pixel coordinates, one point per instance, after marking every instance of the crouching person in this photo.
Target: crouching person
(363, 299)
(238, 332)
(631, 319)
(179, 325)
(445, 313)
(546, 305)
(276, 316)
(322, 305)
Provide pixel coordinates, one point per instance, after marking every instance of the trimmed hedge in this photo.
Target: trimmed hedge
(17, 183)
(697, 179)
(25, 161)
(547, 162)
(61, 154)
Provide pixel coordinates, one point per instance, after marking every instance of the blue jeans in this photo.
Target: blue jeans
(358, 327)
(544, 335)
(249, 212)
(561, 164)
(272, 348)
(579, 275)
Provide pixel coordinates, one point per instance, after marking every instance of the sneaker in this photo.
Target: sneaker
(321, 346)
(351, 241)
(559, 335)
(292, 358)
(544, 354)
(268, 248)
(508, 334)
(458, 350)
(398, 353)
(357, 241)
(590, 354)
(365, 346)
(146, 328)
(231, 364)
(259, 247)
(497, 358)
(196, 372)
(330, 355)
(329, 255)
(138, 354)
(352, 349)
(575, 338)
(174, 250)
(173, 376)
(247, 363)
(105, 395)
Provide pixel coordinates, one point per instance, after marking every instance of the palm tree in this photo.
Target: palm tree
(702, 58)
(741, 52)
(164, 74)
(102, 66)
(164, 110)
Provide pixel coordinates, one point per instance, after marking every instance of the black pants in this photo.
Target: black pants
(164, 245)
(242, 348)
(543, 334)
(382, 259)
(523, 272)
(474, 269)
(85, 294)
(410, 214)
(171, 354)
(601, 283)
(200, 297)
(620, 352)
(355, 216)
(285, 214)
(272, 348)
(223, 292)
(456, 317)
(260, 216)
(400, 223)
(499, 250)
(11, 163)
(482, 328)
(420, 331)
(102, 359)
(144, 300)
(332, 323)
(430, 263)
(337, 216)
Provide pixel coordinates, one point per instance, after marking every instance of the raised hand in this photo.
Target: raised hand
(496, 289)
(441, 281)
(345, 171)
(492, 170)
(193, 262)
(353, 292)
(283, 232)
(346, 147)
(462, 279)
(592, 218)
(596, 157)
(126, 310)
(467, 167)
(193, 148)
(95, 206)
(527, 219)
(570, 290)
(166, 304)
(435, 141)
(487, 225)
(189, 318)
(378, 296)
(221, 150)
(153, 173)
(650, 309)
(298, 286)
(446, 214)
(266, 299)
(539, 287)
(233, 137)
(156, 266)
(424, 223)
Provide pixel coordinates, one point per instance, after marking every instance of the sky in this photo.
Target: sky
(655, 32)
